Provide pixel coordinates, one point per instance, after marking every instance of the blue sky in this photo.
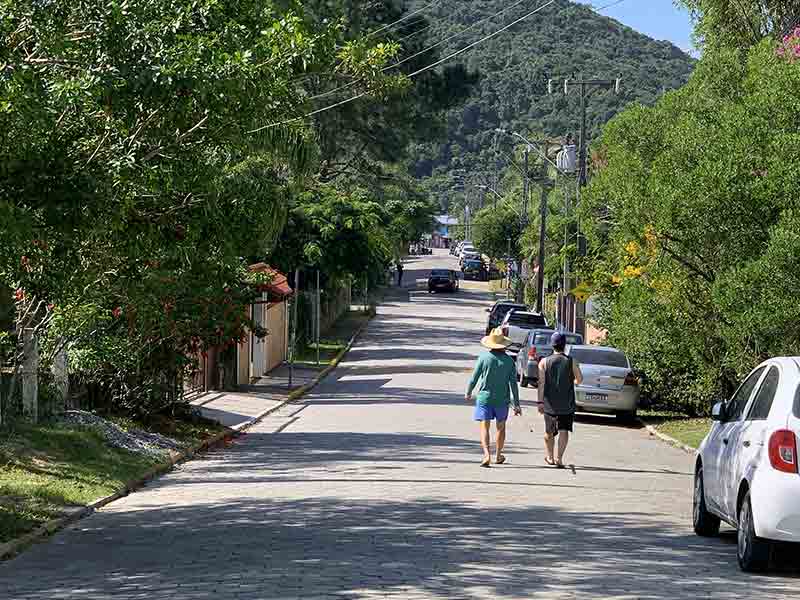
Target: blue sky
(659, 19)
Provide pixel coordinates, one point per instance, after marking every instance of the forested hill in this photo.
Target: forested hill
(563, 40)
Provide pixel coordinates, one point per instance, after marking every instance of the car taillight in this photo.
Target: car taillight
(783, 451)
(532, 353)
(631, 379)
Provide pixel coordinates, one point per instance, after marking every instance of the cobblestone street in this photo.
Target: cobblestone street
(370, 488)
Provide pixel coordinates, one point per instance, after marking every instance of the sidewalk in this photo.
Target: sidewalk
(238, 410)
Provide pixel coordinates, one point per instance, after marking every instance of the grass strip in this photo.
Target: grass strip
(335, 340)
(47, 470)
(687, 430)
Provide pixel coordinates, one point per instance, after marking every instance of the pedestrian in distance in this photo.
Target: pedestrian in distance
(494, 381)
(399, 273)
(558, 375)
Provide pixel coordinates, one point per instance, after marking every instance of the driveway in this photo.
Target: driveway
(371, 489)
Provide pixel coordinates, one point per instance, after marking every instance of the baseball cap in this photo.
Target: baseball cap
(558, 339)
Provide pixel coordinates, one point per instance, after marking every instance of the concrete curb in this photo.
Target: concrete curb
(10, 549)
(665, 438)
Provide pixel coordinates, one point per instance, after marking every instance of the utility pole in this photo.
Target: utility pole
(523, 223)
(546, 187)
(585, 87)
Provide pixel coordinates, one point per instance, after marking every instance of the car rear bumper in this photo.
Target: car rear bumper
(590, 399)
(776, 504)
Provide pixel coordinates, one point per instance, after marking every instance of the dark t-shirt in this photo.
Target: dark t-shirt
(559, 385)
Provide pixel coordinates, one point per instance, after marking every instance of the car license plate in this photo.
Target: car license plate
(597, 398)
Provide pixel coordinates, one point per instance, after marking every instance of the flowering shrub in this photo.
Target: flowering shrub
(789, 48)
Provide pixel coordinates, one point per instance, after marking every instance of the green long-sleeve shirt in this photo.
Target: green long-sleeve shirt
(495, 379)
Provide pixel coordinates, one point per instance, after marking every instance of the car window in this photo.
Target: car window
(797, 402)
(543, 339)
(527, 320)
(502, 310)
(440, 273)
(735, 406)
(603, 358)
(766, 394)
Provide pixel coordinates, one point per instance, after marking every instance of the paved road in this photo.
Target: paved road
(372, 490)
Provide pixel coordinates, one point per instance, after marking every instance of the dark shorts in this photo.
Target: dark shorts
(555, 423)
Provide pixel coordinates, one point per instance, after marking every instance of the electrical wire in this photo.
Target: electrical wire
(424, 50)
(401, 19)
(415, 73)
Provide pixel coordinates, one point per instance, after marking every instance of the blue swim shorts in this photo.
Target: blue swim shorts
(485, 412)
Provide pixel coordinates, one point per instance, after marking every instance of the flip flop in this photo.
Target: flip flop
(500, 459)
(486, 463)
(549, 461)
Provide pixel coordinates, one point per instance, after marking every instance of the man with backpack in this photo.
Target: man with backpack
(558, 375)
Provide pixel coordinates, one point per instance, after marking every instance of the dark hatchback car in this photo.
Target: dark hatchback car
(498, 312)
(442, 280)
(475, 269)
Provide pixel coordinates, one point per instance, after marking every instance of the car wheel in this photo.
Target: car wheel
(524, 381)
(626, 416)
(752, 552)
(705, 524)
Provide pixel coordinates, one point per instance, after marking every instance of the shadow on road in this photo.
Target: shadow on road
(320, 546)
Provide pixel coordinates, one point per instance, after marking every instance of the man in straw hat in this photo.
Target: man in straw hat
(495, 381)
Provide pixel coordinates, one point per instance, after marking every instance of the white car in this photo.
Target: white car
(609, 385)
(517, 324)
(746, 472)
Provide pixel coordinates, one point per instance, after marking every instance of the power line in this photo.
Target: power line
(424, 50)
(401, 19)
(415, 73)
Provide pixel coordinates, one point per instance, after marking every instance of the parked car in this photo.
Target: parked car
(746, 472)
(465, 248)
(609, 384)
(442, 280)
(536, 347)
(518, 323)
(469, 255)
(498, 312)
(475, 269)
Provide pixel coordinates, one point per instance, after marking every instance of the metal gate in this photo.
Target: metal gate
(258, 346)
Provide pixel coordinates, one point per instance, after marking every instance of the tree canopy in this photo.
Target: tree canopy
(695, 238)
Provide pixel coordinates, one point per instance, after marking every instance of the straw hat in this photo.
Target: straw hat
(496, 340)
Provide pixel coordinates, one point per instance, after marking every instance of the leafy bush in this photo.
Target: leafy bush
(699, 265)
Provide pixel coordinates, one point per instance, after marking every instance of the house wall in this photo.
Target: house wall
(276, 340)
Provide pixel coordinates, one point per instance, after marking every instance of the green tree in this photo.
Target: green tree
(741, 24)
(692, 228)
(136, 173)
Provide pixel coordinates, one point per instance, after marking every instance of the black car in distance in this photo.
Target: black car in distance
(475, 269)
(442, 280)
(498, 312)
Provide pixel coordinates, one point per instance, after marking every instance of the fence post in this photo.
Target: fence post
(61, 377)
(30, 376)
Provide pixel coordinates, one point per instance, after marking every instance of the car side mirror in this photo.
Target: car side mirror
(718, 412)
